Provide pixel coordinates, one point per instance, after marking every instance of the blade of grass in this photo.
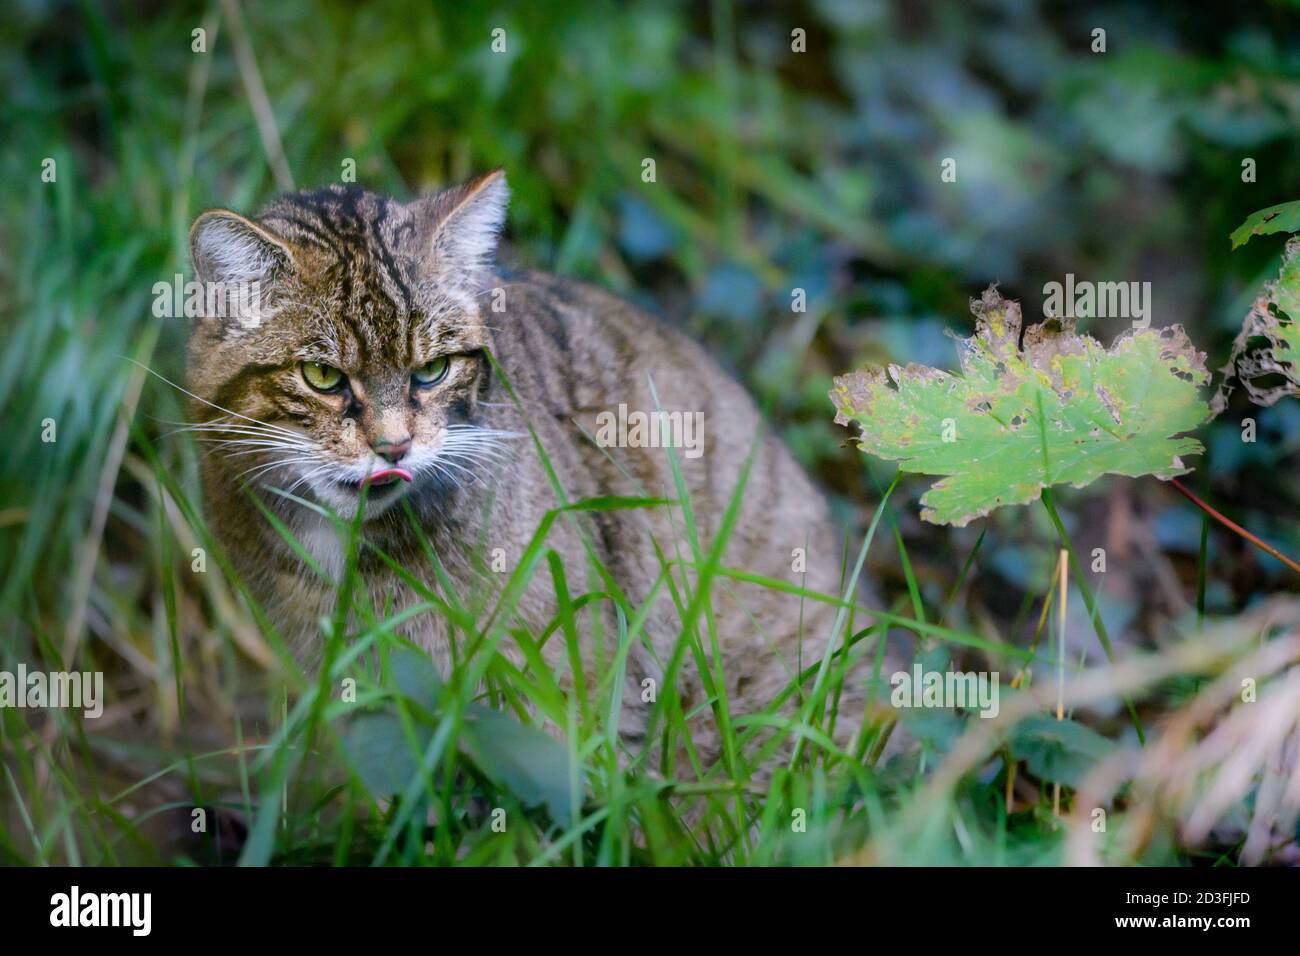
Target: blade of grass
(1093, 614)
(819, 689)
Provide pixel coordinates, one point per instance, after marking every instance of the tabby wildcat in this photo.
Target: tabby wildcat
(369, 366)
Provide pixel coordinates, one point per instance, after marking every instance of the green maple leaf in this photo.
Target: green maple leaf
(1060, 410)
(1266, 353)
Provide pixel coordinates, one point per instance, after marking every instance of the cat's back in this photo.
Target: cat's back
(603, 368)
(590, 351)
(589, 345)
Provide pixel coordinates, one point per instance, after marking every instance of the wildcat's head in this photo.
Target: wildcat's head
(358, 357)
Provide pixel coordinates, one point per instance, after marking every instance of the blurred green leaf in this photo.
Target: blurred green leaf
(1062, 751)
(1284, 217)
(526, 761)
(384, 758)
(416, 676)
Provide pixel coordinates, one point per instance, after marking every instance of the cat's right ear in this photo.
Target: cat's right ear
(226, 247)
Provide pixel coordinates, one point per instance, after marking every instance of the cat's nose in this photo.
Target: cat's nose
(393, 451)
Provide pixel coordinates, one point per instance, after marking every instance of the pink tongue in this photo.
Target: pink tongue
(384, 475)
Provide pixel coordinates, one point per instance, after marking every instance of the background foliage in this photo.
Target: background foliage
(775, 170)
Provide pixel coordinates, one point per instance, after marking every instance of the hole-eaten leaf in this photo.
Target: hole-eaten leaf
(1266, 353)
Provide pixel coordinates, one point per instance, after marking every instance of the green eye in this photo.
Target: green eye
(433, 372)
(323, 378)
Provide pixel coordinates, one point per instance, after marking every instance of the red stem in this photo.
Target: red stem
(1233, 526)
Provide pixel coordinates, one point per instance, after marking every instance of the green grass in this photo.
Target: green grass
(299, 786)
(403, 772)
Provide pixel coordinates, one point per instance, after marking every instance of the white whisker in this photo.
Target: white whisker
(439, 463)
(306, 478)
(197, 398)
(438, 469)
(264, 467)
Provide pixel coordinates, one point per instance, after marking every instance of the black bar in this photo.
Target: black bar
(547, 908)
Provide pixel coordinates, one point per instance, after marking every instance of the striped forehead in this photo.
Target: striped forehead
(363, 282)
(373, 326)
(368, 304)
(364, 236)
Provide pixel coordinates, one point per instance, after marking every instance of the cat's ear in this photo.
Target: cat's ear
(463, 223)
(226, 247)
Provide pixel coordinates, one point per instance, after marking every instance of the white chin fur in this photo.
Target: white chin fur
(335, 496)
(343, 501)
(333, 488)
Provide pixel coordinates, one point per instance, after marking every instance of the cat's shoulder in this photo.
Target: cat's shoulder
(579, 308)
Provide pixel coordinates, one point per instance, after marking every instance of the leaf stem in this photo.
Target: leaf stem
(1203, 552)
(1234, 527)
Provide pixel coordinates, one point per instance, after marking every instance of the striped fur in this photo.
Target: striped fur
(375, 287)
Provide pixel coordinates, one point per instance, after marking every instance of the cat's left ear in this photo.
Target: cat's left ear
(464, 223)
